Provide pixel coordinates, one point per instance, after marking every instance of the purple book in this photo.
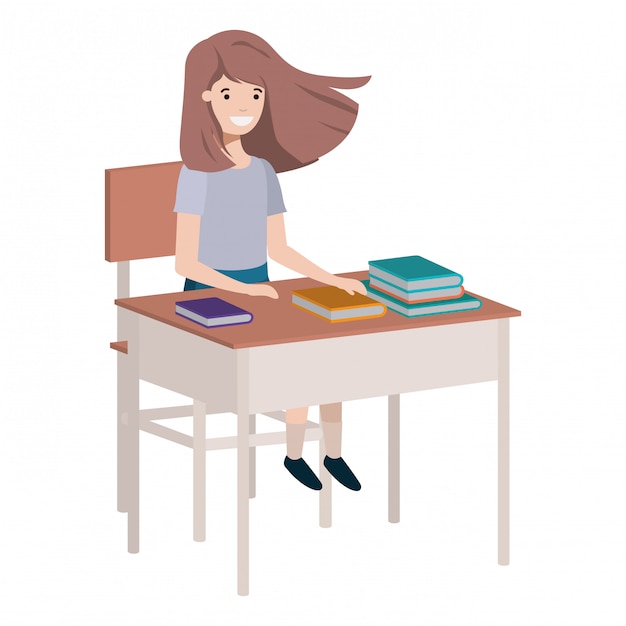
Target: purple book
(212, 312)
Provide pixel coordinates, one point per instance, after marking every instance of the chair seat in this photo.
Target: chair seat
(120, 346)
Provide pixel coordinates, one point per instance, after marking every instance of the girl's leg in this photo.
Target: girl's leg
(330, 415)
(296, 425)
(297, 466)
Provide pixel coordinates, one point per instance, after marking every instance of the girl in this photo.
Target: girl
(247, 114)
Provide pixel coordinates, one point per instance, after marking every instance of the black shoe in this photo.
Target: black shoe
(341, 472)
(302, 472)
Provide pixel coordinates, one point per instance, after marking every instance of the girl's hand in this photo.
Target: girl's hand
(351, 285)
(262, 290)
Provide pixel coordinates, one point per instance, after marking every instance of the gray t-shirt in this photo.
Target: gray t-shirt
(234, 205)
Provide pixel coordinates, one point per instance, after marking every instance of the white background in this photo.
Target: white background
(490, 139)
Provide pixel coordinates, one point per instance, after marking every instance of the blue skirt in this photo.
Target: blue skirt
(251, 276)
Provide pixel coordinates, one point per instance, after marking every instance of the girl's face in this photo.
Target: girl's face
(236, 106)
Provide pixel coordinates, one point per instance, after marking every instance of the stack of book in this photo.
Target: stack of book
(414, 286)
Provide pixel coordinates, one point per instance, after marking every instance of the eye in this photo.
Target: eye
(226, 96)
(256, 96)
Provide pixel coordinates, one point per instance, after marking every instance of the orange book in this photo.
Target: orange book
(336, 305)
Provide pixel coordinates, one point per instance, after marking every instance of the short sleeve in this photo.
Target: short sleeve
(191, 191)
(275, 203)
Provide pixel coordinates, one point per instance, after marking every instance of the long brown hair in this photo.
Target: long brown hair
(304, 116)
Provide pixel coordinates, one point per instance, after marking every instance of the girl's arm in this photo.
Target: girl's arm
(187, 264)
(279, 251)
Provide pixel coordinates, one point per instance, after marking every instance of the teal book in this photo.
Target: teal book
(466, 302)
(413, 273)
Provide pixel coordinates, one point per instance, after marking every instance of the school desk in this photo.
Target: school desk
(289, 358)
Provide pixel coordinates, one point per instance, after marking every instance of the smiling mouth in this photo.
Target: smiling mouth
(241, 120)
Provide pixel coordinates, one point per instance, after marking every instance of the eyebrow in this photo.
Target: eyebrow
(228, 89)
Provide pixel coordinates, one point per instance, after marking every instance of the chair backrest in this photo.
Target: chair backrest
(140, 222)
(139, 219)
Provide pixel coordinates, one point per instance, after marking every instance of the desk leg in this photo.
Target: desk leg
(252, 449)
(393, 443)
(503, 442)
(199, 470)
(128, 429)
(243, 473)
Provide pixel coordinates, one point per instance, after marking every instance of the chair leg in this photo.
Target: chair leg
(127, 390)
(326, 513)
(124, 399)
(199, 470)
(132, 473)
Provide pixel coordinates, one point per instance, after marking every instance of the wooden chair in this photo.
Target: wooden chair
(140, 224)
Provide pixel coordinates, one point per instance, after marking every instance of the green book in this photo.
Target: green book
(466, 302)
(413, 273)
